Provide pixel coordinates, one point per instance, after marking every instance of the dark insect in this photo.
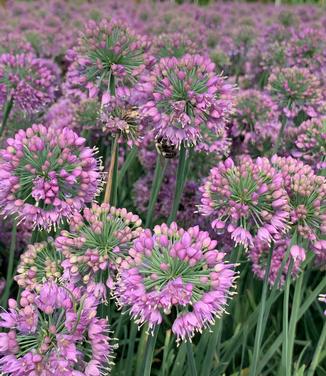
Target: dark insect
(166, 148)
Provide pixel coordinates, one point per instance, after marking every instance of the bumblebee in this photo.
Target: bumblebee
(166, 148)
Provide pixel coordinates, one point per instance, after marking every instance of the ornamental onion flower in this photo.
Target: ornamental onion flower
(54, 332)
(175, 271)
(247, 199)
(183, 94)
(40, 263)
(28, 81)
(46, 175)
(95, 244)
(307, 194)
(295, 90)
(173, 45)
(120, 116)
(310, 143)
(255, 121)
(258, 255)
(107, 52)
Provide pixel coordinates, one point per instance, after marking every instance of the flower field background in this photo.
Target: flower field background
(162, 189)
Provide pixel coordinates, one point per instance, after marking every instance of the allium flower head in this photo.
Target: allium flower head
(46, 175)
(175, 270)
(307, 193)
(255, 120)
(295, 90)
(183, 95)
(95, 244)
(55, 332)
(30, 82)
(310, 143)
(173, 45)
(120, 115)
(247, 199)
(108, 51)
(40, 263)
(258, 255)
(14, 44)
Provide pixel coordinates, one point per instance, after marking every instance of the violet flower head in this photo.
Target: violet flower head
(169, 272)
(255, 121)
(248, 200)
(54, 332)
(120, 116)
(14, 44)
(173, 45)
(46, 175)
(258, 255)
(307, 195)
(29, 82)
(107, 52)
(95, 245)
(183, 94)
(39, 263)
(310, 143)
(295, 90)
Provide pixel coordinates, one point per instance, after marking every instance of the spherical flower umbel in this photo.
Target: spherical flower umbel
(40, 263)
(107, 52)
(28, 81)
(255, 120)
(258, 255)
(46, 175)
(175, 270)
(307, 194)
(310, 143)
(173, 45)
(184, 94)
(247, 199)
(295, 89)
(54, 332)
(120, 116)
(97, 241)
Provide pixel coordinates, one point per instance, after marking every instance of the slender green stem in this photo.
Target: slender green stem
(129, 160)
(212, 348)
(111, 183)
(182, 173)
(279, 136)
(310, 299)
(320, 346)
(294, 317)
(285, 370)
(6, 113)
(10, 267)
(156, 186)
(259, 331)
(149, 352)
(131, 349)
(191, 360)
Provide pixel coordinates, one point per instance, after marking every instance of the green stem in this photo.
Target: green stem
(279, 136)
(182, 172)
(211, 348)
(149, 352)
(129, 160)
(191, 360)
(156, 186)
(10, 268)
(6, 113)
(259, 331)
(310, 299)
(110, 195)
(294, 318)
(285, 370)
(131, 349)
(320, 346)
